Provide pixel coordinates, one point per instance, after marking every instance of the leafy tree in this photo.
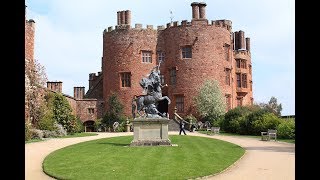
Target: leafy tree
(210, 101)
(272, 106)
(62, 113)
(46, 120)
(114, 113)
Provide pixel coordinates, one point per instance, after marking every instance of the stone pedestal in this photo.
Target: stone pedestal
(150, 132)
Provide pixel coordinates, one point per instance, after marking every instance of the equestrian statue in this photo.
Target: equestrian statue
(148, 102)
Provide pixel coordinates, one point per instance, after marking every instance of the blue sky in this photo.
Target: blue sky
(68, 40)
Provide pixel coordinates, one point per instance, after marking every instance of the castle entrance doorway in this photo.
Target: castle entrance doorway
(88, 126)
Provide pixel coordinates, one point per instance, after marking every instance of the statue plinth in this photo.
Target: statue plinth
(150, 132)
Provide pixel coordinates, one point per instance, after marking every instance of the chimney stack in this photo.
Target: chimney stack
(55, 86)
(195, 10)
(127, 17)
(248, 44)
(78, 92)
(202, 10)
(118, 18)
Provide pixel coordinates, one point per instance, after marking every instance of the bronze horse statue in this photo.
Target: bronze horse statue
(151, 85)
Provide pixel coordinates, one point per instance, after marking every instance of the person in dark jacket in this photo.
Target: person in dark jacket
(181, 124)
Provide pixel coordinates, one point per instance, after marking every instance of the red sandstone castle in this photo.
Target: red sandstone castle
(190, 53)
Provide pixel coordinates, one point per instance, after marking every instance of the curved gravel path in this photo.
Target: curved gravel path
(263, 160)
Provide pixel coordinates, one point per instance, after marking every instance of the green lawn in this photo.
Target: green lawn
(112, 158)
(251, 136)
(83, 134)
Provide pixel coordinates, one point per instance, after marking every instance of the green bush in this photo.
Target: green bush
(286, 129)
(47, 122)
(27, 132)
(265, 121)
(190, 118)
(239, 114)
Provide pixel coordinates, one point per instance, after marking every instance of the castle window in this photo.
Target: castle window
(180, 103)
(251, 99)
(227, 51)
(239, 101)
(186, 52)
(244, 80)
(250, 85)
(173, 76)
(238, 80)
(243, 64)
(125, 79)
(90, 110)
(250, 70)
(146, 57)
(160, 55)
(228, 72)
(162, 79)
(238, 63)
(228, 101)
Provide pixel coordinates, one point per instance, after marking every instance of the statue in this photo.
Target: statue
(152, 89)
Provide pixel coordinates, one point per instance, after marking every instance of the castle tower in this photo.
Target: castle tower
(29, 38)
(129, 54)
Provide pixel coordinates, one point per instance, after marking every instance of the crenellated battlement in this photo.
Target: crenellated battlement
(93, 76)
(128, 27)
(241, 53)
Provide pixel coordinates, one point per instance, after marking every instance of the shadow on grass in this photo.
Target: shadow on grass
(114, 144)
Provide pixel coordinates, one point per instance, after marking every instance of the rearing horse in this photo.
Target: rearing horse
(153, 86)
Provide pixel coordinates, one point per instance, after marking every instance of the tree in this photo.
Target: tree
(35, 81)
(62, 113)
(114, 113)
(272, 106)
(210, 101)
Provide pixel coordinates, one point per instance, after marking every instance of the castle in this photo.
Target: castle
(190, 52)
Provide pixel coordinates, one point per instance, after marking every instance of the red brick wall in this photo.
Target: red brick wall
(29, 39)
(207, 62)
(122, 53)
(73, 104)
(82, 109)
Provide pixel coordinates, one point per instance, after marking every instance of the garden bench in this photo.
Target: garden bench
(267, 136)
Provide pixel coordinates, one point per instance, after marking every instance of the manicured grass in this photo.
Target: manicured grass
(79, 135)
(112, 158)
(33, 140)
(251, 136)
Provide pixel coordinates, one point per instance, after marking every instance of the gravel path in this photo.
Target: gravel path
(263, 160)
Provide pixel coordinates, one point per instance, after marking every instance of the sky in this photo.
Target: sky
(68, 37)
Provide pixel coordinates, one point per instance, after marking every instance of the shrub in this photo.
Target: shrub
(237, 114)
(263, 122)
(49, 134)
(27, 132)
(77, 125)
(47, 122)
(286, 129)
(191, 118)
(60, 131)
(36, 134)
(98, 125)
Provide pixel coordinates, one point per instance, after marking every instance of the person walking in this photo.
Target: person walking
(181, 124)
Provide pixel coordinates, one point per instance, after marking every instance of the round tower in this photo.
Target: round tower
(129, 54)
(195, 53)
